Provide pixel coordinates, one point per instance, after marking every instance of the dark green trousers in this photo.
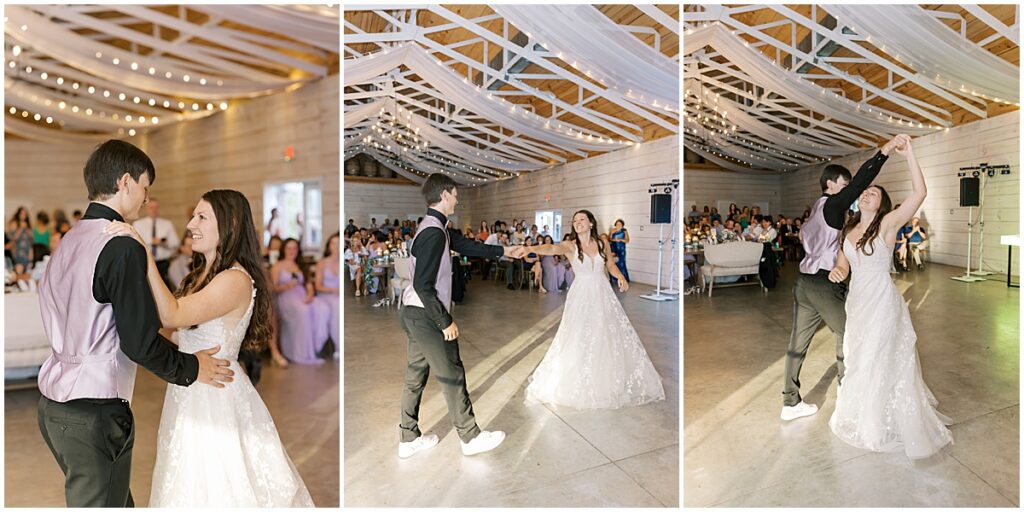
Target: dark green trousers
(815, 299)
(429, 351)
(92, 440)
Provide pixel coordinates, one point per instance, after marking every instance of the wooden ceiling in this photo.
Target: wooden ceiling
(668, 44)
(776, 25)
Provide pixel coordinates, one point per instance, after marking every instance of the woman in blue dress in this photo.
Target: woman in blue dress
(620, 237)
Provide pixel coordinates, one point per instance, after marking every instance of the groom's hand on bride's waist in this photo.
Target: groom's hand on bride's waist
(213, 371)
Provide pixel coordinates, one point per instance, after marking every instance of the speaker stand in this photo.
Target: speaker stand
(981, 232)
(968, 278)
(657, 296)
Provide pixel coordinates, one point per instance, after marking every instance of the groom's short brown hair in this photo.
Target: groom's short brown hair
(434, 185)
(109, 161)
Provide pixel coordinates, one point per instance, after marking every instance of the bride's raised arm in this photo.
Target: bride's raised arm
(225, 293)
(902, 215)
(563, 248)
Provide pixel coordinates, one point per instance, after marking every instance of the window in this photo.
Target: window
(299, 206)
(553, 220)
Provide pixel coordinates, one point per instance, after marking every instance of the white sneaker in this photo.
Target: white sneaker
(798, 411)
(406, 450)
(484, 442)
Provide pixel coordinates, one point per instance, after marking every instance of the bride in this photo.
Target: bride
(219, 447)
(883, 404)
(596, 360)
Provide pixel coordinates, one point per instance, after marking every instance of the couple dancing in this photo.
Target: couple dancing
(103, 302)
(595, 361)
(883, 404)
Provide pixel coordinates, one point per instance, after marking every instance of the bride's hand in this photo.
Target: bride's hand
(118, 228)
(838, 274)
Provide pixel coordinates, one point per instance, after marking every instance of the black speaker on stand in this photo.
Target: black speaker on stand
(970, 191)
(661, 208)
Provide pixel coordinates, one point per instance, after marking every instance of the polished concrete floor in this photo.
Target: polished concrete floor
(302, 399)
(738, 453)
(551, 457)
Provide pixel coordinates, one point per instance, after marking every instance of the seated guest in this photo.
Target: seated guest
(511, 265)
(693, 213)
(518, 236)
(568, 276)
(297, 317)
(273, 251)
(546, 231)
(484, 232)
(531, 263)
(355, 257)
(377, 248)
(328, 289)
(715, 215)
(768, 232)
(181, 263)
(753, 230)
(351, 229)
(550, 274)
(534, 234)
(915, 240)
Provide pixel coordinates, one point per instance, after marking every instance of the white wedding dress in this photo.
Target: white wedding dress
(218, 447)
(883, 404)
(596, 360)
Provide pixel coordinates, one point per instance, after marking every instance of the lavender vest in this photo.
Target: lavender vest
(820, 241)
(87, 361)
(443, 284)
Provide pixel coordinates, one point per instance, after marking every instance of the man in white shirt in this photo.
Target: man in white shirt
(753, 231)
(160, 237)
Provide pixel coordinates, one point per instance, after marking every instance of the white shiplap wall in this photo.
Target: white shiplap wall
(241, 148)
(381, 200)
(611, 186)
(44, 176)
(718, 189)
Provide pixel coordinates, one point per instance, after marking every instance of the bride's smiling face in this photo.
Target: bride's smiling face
(870, 199)
(204, 229)
(580, 223)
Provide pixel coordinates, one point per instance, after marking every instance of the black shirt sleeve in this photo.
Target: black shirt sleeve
(120, 280)
(836, 205)
(428, 250)
(467, 247)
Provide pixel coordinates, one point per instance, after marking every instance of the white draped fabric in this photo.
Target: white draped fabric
(30, 130)
(79, 52)
(458, 91)
(721, 162)
(932, 48)
(790, 141)
(436, 137)
(609, 53)
(790, 85)
(317, 27)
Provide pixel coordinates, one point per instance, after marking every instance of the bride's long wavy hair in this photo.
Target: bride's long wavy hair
(593, 235)
(238, 242)
(871, 233)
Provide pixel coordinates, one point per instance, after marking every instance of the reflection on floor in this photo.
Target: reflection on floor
(626, 457)
(302, 399)
(738, 453)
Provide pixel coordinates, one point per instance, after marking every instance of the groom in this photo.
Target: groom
(100, 318)
(427, 320)
(815, 298)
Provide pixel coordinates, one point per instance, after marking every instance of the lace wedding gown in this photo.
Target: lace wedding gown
(218, 447)
(883, 404)
(596, 360)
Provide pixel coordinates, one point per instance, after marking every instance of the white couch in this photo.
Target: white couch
(26, 346)
(731, 259)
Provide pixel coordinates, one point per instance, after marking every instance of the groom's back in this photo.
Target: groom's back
(86, 361)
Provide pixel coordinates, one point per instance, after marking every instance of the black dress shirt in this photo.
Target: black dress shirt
(836, 205)
(120, 280)
(428, 251)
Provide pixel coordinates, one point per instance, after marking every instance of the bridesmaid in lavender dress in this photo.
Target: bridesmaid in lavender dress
(550, 274)
(328, 287)
(297, 317)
